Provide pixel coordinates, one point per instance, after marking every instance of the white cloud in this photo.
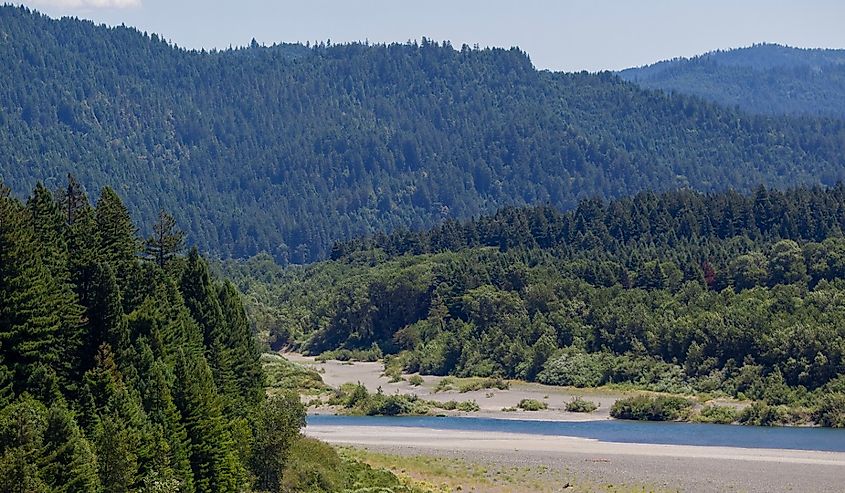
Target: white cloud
(89, 4)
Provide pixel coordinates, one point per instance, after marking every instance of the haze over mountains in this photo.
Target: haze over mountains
(764, 79)
(287, 148)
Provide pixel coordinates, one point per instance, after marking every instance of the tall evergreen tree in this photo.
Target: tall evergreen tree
(214, 466)
(242, 349)
(166, 240)
(29, 309)
(118, 240)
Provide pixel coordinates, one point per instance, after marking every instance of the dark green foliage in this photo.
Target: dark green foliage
(651, 408)
(166, 240)
(212, 457)
(764, 78)
(289, 154)
(677, 292)
(44, 450)
(276, 430)
(104, 381)
(30, 309)
(831, 411)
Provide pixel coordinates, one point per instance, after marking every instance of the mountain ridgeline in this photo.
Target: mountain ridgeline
(764, 79)
(727, 294)
(286, 149)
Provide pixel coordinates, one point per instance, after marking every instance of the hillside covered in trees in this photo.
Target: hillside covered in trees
(127, 371)
(726, 294)
(287, 148)
(764, 79)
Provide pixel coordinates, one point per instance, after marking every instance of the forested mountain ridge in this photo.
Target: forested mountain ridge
(728, 294)
(765, 79)
(286, 149)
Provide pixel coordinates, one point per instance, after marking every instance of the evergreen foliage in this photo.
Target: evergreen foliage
(286, 149)
(105, 382)
(738, 295)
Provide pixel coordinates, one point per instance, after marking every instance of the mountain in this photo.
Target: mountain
(765, 79)
(740, 295)
(287, 148)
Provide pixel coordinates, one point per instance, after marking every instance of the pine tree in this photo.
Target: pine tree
(104, 310)
(22, 426)
(166, 241)
(49, 225)
(243, 350)
(118, 241)
(29, 313)
(155, 385)
(213, 462)
(201, 299)
(68, 461)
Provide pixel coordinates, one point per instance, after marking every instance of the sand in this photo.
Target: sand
(491, 401)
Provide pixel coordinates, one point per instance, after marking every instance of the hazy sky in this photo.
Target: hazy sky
(559, 35)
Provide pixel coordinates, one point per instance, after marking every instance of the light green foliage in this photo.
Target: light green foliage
(287, 375)
(277, 428)
(651, 408)
(717, 414)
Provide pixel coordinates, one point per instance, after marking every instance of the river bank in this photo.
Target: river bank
(655, 467)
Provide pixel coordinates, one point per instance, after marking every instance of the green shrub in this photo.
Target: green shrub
(763, 414)
(831, 411)
(651, 408)
(416, 380)
(370, 355)
(484, 383)
(465, 406)
(574, 369)
(288, 375)
(718, 415)
(445, 384)
(313, 466)
(532, 405)
(579, 405)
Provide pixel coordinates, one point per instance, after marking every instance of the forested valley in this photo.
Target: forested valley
(125, 366)
(722, 294)
(288, 148)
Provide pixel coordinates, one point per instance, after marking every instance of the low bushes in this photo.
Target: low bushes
(579, 405)
(356, 400)
(532, 405)
(723, 415)
(652, 408)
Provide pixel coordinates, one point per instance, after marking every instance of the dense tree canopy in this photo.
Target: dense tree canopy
(680, 292)
(117, 374)
(288, 148)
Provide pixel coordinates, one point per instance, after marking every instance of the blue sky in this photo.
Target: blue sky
(559, 35)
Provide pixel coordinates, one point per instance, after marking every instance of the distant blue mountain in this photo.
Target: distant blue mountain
(764, 78)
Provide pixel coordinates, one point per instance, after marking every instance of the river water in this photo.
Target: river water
(821, 439)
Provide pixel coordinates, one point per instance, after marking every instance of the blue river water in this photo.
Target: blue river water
(821, 439)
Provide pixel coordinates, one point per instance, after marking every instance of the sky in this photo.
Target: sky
(569, 35)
